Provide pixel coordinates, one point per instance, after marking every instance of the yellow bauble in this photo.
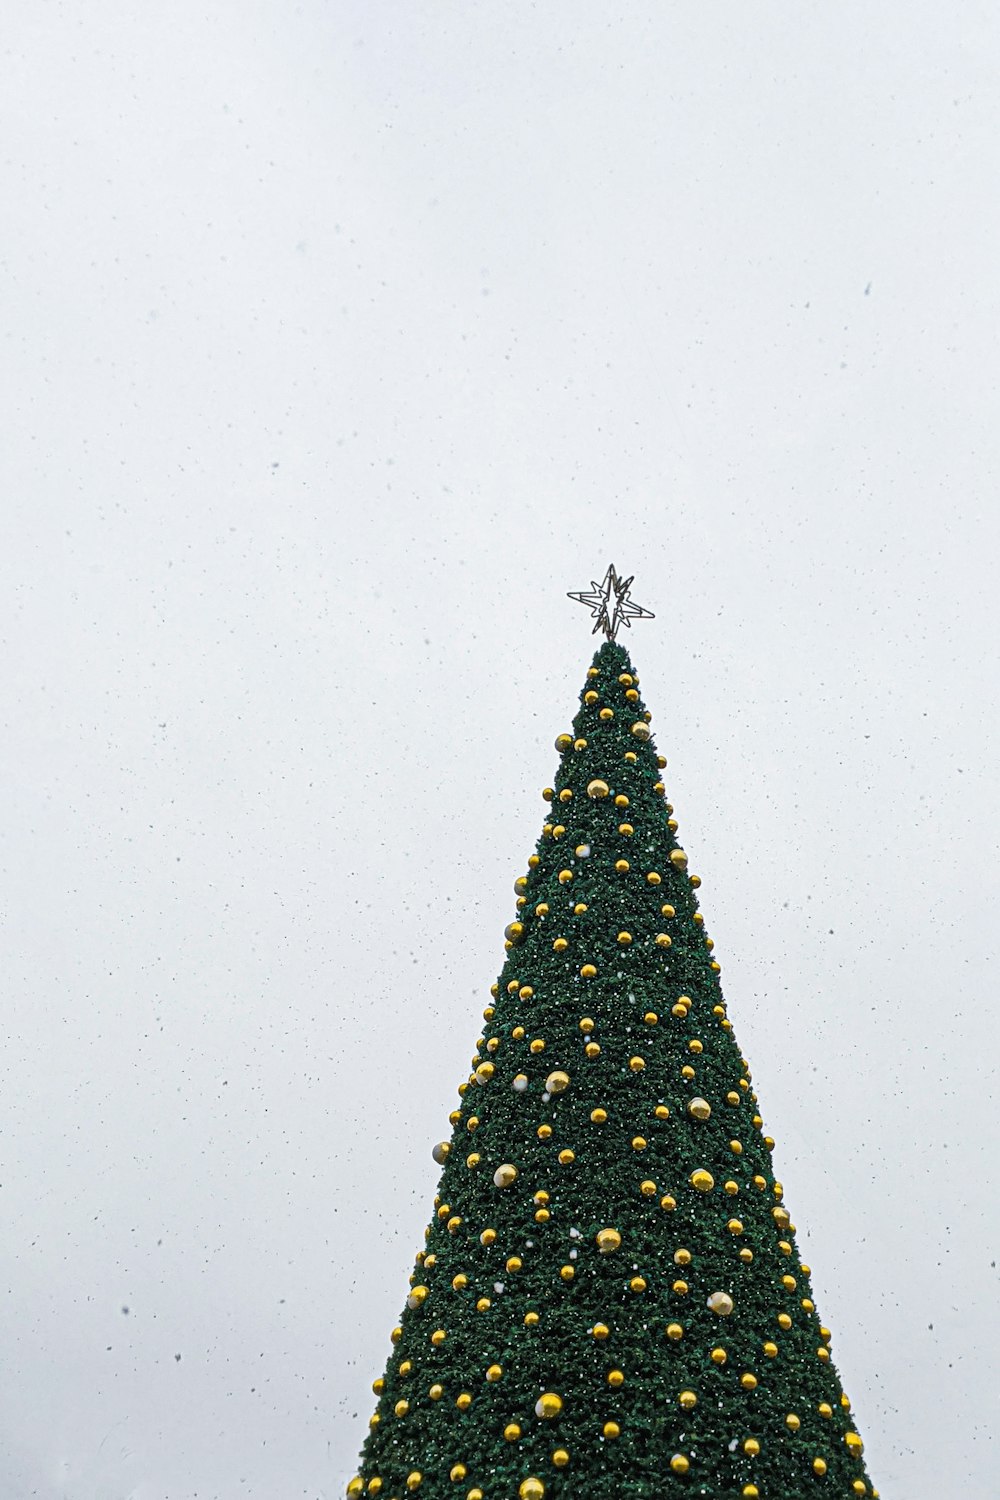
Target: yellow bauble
(640, 730)
(599, 1116)
(512, 1432)
(622, 866)
(418, 1295)
(718, 1356)
(463, 1401)
(699, 1108)
(648, 1188)
(655, 878)
(735, 1226)
(746, 1255)
(662, 1112)
(548, 1405)
(565, 876)
(566, 1157)
(675, 1331)
(567, 1272)
(792, 1422)
(668, 1202)
(537, 1044)
(637, 1064)
(458, 1471)
(688, 1400)
(854, 1443)
(607, 1240)
(678, 859)
(557, 1082)
(720, 1303)
(579, 744)
(752, 1447)
(825, 1409)
(600, 1330)
(588, 971)
(687, 1072)
(626, 830)
(750, 1492)
(590, 697)
(616, 1378)
(771, 1349)
(436, 1392)
(624, 939)
(606, 714)
(696, 1046)
(651, 1018)
(378, 1386)
(621, 800)
(682, 1257)
(440, 1152)
(560, 945)
(494, 1372)
(637, 1284)
(531, 1320)
(611, 1429)
(374, 1485)
(597, 789)
(513, 1264)
(681, 1288)
(639, 1143)
(748, 1381)
(560, 1458)
(531, 1489)
(680, 1464)
(414, 1479)
(356, 1485)
(505, 1175)
(702, 1181)
(819, 1465)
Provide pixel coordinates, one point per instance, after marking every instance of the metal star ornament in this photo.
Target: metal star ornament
(610, 604)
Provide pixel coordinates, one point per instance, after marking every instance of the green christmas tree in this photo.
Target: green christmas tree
(610, 1302)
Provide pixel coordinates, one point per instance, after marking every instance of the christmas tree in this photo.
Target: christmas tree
(610, 1302)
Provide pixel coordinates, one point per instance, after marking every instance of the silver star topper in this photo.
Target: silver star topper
(610, 604)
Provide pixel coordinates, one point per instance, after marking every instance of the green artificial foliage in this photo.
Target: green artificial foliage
(515, 1298)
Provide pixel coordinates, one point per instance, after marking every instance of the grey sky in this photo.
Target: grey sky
(339, 341)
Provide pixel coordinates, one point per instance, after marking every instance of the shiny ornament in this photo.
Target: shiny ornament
(637, 1064)
(792, 1422)
(682, 1257)
(639, 1143)
(537, 1044)
(513, 1264)
(557, 1082)
(593, 1049)
(663, 940)
(655, 878)
(607, 1240)
(591, 696)
(699, 1108)
(597, 789)
(513, 931)
(355, 1486)
(748, 1381)
(588, 971)
(600, 1330)
(688, 1400)
(566, 1157)
(637, 1284)
(622, 866)
(512, 1432)
(819, 1465)
(648, 1189)
(616, 1378)
(519, 1082)
(560, 945)
(440, 1152)
(680, 1463)
(621, 800)
(751, 1447)
(624, 938)
(548, 1405)
(678, 859)
(458, 1471)
(675, 1331)
(544, 1132)
(641, 731)
(567, 1273)
(720, 1303)
(651, 1018)
(681, 1288)
(735, 1226)
(854, 1443)
(418, 1296)
(669, 1203)
(770, 1349)
(505, 1175)
(606, 714)
(531, 1320)
(599, 1116)
(626, 830)
(484, 1073)
(702, 1181)
(414, 1480)
(611, 1430)
(718, 1356)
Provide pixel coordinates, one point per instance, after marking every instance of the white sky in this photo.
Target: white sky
(339, 341)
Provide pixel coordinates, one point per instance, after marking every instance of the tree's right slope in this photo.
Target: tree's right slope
(610, 1302)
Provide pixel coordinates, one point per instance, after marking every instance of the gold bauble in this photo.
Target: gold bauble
(374, 1485)
(579, 744)
(611, 1429)
(559, 831)
(600, 1330)
(566, 1157)
(567, 1272)
(458, 1471)
(533, 861)
(662, 1112)
(687, 1071)
(819, 1465)
(823, 1353)
(519, 1082)
(699, 1108)
(599, 1116)
(590, 697)
(661, 761)
(853, 1441)
(639, 1143)
(464, 1401)
(537, 1044)
(356, 1485)
(541, 1196)
(494, 1372)
(681, 1288)
(505, 1175)
(563, 742)
(588, 971)
(792, 1422)
(702, 1181)
(631, 695)
(513, 1263)
(680, 1011)
(637, 1284)
(606, 714)
(718, 1356)
(648, 1189)
(560, 1458)
(616, 1378)
(525, 992)
(560, 945)
(735, 1226)
(748, 1381)
(746, 1256)
(531, 1320)
(418, 1295)
(593, 1049)
(396, 1335)
(668, 1203)
(459, 1282)
(557, 1082)
(637, 1064)
(513, 931)
(859, 1487)
(438, 1337)
(607, 1240)
(663, 940)
(750, 1492)
(593, 671)
(565, 876)
(655, 878)
(720, 1303)
(512, 1432)
(378, 1386)
(631, 757)
(825, 1409)
(626, 830)
(678, 859)
(688, 1400)
(414, 1479)
(640, 730)
(548, 1405)
(682, 1257)
(484, 1072)
(544, 1132)
(788, 1282)
(624, 938)
(675, 1331)
(807, 1304)
(752, 1447)
(651, 1018)
(696, 1046)
(566, 795)
(680, 1464)
(621, 800)
(440, 1152)
(771, 1349)
(622, 866)
(781, 1217)
(597, 789)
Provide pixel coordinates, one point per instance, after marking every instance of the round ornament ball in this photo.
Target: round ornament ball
(557, 1082)
(640, 730)
(699, 1108)
(441, 1152)
(678, 859)
(531, 1489)
(720, 1303)
(548, 1405)
(597, 788)
(607, 1240)
(505, 1175)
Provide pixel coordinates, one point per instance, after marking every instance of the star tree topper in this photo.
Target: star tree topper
(610, 604)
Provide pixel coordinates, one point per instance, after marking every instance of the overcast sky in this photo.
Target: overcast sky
(339, 342)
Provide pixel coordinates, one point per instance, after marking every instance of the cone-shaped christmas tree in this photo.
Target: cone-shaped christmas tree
(610, 1302)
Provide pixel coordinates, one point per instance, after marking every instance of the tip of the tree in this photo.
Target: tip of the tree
(612, 656)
